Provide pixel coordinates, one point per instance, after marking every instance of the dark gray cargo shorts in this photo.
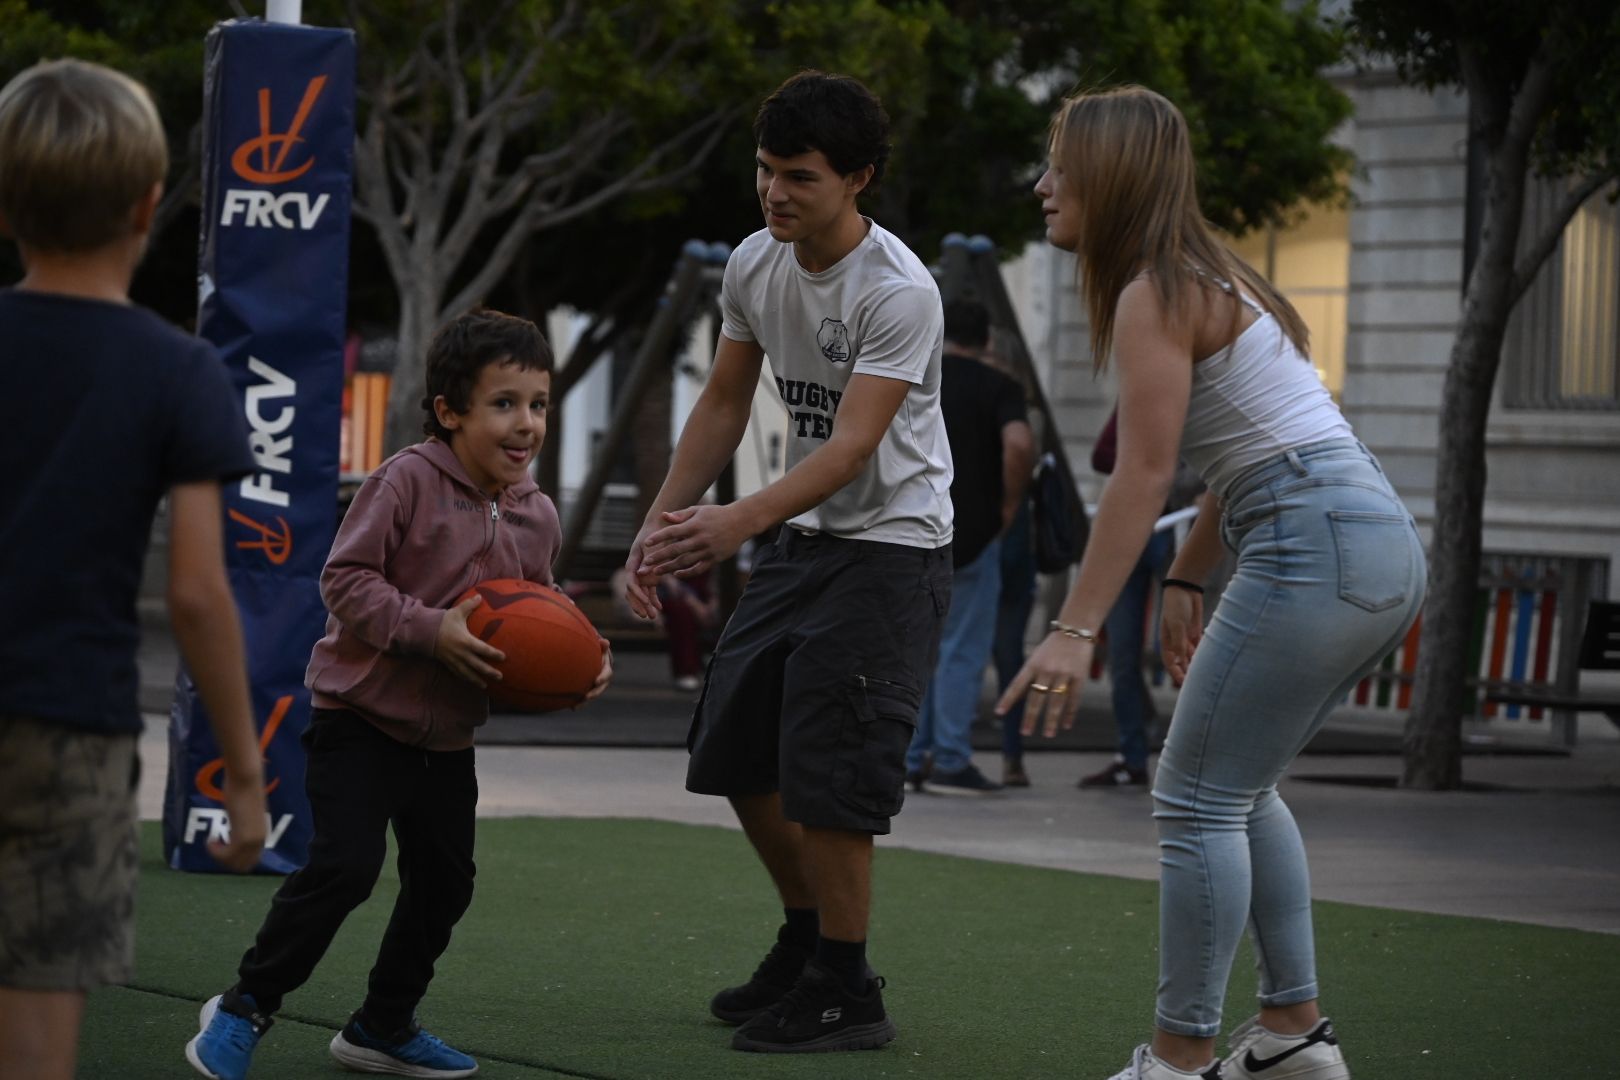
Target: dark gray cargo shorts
(814, 687)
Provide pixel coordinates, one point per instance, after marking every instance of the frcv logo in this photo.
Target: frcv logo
(269, 159)
(211, 822)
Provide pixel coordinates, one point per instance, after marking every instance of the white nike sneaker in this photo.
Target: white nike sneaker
(1144, 1066)
(1258, 1054)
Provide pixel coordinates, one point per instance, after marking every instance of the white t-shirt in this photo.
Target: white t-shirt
(875, 312)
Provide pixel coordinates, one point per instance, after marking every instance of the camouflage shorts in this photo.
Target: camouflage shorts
(68, 856)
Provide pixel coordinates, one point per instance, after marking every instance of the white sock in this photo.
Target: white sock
(1195, 1073)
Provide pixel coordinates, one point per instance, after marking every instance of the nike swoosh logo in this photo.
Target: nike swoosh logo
(1254, 1064)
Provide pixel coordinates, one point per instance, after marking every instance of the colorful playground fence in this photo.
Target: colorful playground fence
(1526, 633)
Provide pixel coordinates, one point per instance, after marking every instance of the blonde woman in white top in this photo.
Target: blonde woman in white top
(1330, 574)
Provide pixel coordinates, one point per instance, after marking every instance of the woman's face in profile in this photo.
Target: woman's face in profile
(1061, 207)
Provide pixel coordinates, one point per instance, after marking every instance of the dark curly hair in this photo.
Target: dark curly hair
(835, 114)
(465, 345)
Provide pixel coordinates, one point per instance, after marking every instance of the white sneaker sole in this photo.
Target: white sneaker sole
(1327, 1070)
(360, 1059)
(205, 1016)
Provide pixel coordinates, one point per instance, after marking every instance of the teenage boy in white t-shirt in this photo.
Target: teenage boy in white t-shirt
(812, 695)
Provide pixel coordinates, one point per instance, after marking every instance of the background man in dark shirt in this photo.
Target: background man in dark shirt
(994, 451)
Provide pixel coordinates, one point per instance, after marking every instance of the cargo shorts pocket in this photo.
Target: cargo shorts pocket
(870, 771)
(1375, 558)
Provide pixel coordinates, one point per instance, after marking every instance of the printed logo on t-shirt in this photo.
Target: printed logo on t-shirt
(834, 340)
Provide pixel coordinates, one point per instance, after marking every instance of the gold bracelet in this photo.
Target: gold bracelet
(1072, 631)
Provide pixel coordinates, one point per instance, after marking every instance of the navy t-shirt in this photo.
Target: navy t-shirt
(111, 406)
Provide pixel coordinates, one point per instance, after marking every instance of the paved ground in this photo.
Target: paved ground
(1534, 841)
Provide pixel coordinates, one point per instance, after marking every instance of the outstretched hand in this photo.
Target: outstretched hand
(693, 540)
(1053, 677)
(459, 649)
(640, 584)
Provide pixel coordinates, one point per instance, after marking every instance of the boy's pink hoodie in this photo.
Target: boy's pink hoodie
(418, 534)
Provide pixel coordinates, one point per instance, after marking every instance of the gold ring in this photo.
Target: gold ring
(1060, 689)
(1039, 687)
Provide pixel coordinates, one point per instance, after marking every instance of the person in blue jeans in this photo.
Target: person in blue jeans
(1212, 367)
(994, 450)
(1014, 603)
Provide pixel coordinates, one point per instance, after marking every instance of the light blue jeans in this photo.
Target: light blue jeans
(945, 721)
(1330, 574)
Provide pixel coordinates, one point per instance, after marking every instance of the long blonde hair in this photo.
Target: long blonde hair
(1126, 154)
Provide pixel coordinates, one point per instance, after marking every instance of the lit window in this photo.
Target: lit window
(1562, 349)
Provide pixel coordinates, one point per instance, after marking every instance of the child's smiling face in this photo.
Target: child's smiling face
(504, 426)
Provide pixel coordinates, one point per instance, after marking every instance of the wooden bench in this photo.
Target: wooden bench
(1599, 651)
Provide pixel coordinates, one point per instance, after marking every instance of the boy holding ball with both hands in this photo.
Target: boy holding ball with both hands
(399, 686)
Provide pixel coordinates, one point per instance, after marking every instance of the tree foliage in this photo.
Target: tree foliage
(1491, 47)
(558, 151)
(971, 101)
(162, 45)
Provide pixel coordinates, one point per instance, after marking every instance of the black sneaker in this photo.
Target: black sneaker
(819, 1015)
(967, 780)
(770, 982)
(1116, 774)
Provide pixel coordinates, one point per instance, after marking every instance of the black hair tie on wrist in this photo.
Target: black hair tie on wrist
(1178, 583)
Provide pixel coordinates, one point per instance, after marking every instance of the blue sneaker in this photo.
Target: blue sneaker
(419, 1053)
(223, 1049)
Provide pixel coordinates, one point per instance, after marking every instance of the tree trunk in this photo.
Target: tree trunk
(1433, 738)
(418, 309)
(1504, 115)
(1433, 743)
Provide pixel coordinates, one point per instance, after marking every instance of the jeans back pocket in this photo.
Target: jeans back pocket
(1376, 569)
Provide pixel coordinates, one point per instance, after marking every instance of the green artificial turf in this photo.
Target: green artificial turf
(592, 947)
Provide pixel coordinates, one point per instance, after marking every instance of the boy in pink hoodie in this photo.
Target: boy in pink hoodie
(399, 685)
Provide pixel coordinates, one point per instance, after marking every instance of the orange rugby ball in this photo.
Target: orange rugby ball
(553, 653)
